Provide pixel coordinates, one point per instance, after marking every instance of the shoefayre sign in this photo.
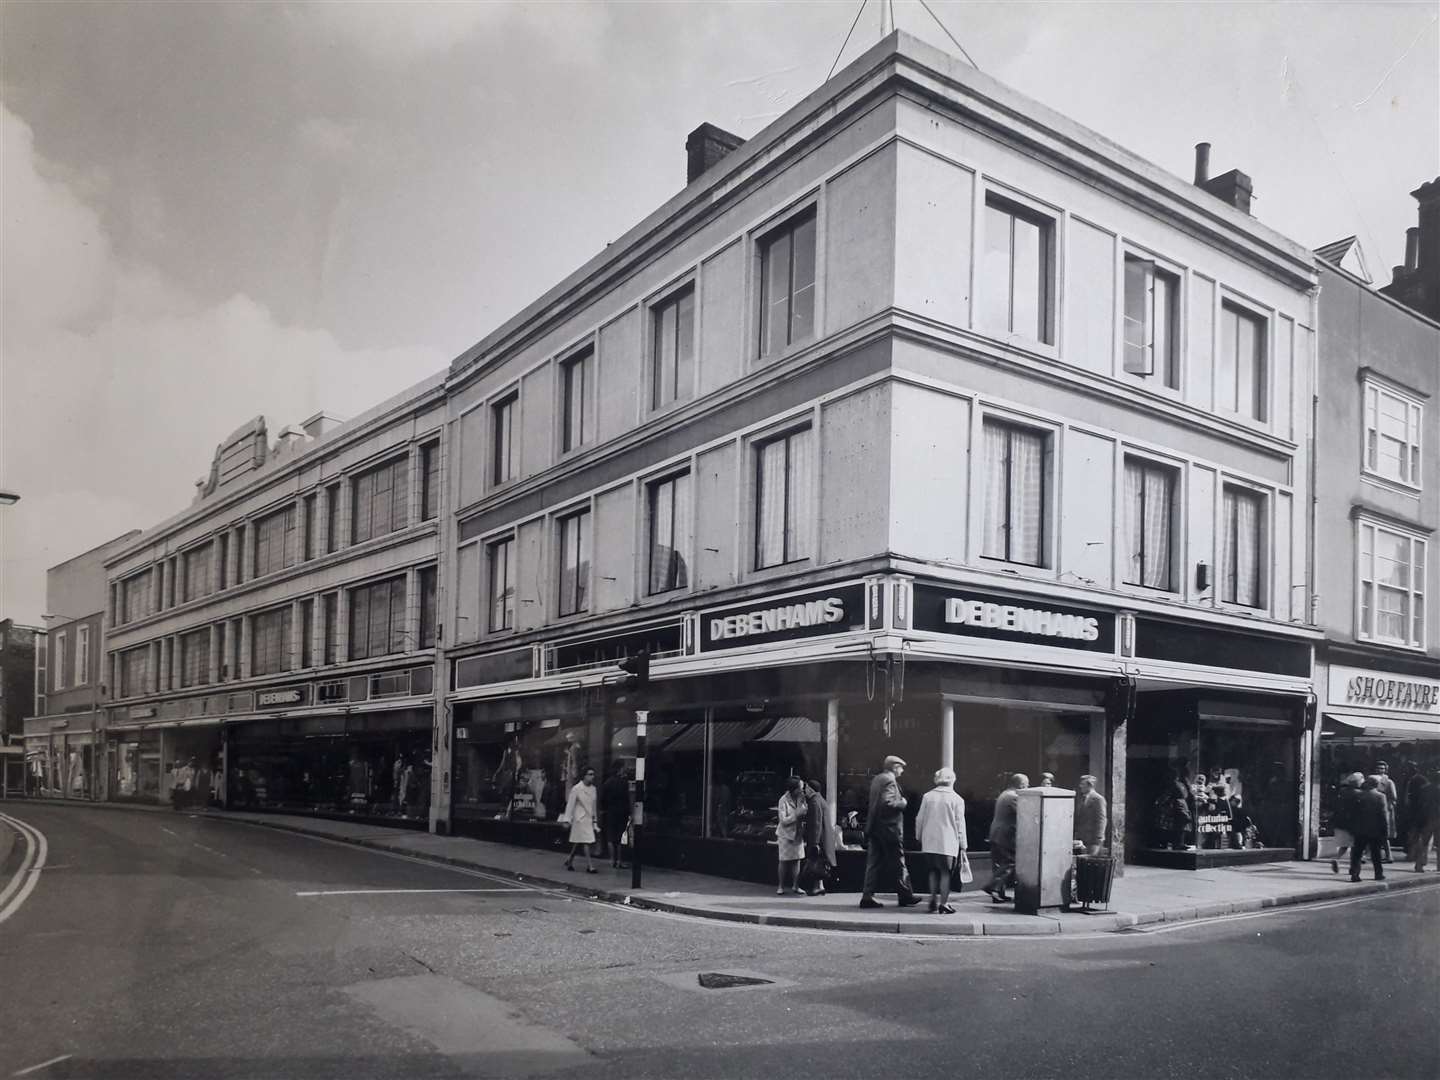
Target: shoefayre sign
(1368, 689)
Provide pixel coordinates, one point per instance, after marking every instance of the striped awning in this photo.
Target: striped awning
(796, 729)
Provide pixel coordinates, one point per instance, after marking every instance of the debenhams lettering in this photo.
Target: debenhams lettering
(1020, 620)
(277, 697)
(1399, 693)
(785, 617)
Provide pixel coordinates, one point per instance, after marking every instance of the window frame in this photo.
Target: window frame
(180, 662)
(585, 541)
(1264, 391)
(60, 650)
(671, 297)
(1174, 577)
(389, 581)
(756, 446)
(1412, 538)
(82, 656)
(1048, 220)
(429, 480)
(762, 240)
(189, 591)
(1414, 412)
(489, 548)
(399, 468)
(508, 399)
(1264, 556)
(581, 358)
(1173, 376)
(286, 615)
(1050, 433)
(289, 539)
(684, 560)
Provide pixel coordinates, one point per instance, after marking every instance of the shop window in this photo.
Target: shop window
(1392, 435)
(575, 563)
(195, 658)
(1391, 577)
(270, 641)
(672, 348)
(752, 753)
(1241, 374)
(377, 619)
(1150, 523)
(522, 770)
(501, 558)
(1242, 547)
(1016, 463)
(1017, 270)
(784, 478)
(381, 503)
(787, 285)
(504, 457)
(275, 542)
(668, 513)
(1152, 321)
(428, 578)
(577, 415)
(429, 481)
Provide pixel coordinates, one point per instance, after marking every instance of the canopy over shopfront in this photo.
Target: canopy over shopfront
(1380, 729)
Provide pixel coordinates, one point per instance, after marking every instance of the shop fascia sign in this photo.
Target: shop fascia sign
(1370, 689)
(976, 614)
(785, 618)
(285, 695)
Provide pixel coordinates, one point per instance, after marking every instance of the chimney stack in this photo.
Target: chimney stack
(706, 145)
(1233, 187)
(1202, 163)
(1412, 248)
(1417, 283)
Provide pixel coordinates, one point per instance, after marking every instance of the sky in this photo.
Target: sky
(212, 211)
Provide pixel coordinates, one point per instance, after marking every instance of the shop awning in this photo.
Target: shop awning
(1349, 725)
(724, 735)
(797, 729)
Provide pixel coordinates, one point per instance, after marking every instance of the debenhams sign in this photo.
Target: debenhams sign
(1017, 619)
(804, 615)
(1021, 620)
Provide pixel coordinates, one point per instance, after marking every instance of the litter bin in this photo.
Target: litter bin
(1094, 874)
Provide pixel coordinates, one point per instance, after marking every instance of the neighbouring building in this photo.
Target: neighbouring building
(274, 645)
(22, 664)
(1377, 509)
(65, 738)
(925, 421)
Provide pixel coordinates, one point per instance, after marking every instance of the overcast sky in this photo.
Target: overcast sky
(213, 211)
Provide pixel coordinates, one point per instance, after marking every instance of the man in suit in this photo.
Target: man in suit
(1002, 838)
(1371, 825)
(885, 837)
(1091, 816)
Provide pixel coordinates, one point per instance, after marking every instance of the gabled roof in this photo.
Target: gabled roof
(1348, 255)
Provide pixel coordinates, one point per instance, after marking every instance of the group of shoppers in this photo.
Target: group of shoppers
(805, 839)
(1365, 819)
(593, 813)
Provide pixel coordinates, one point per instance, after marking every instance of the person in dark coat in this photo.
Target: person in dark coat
(1342, 821)
(1002, 839)
(615, 810)
(1412, 802)
(820, 859)
(1091, 816)
(1425, 822)
(885, 837)
(1371, 824)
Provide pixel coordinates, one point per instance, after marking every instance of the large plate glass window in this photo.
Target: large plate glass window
(275, 542)
(270, 641)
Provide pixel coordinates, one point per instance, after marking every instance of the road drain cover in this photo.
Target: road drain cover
(719, 980)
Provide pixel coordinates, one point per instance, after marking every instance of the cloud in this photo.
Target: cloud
(118, 382)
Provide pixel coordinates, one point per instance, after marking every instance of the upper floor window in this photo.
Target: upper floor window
(428, 579)
(1391, 576)
(787, 285)
(1240, 376)
(672, 348)
(270, 650)
(197, 568)
(307, 633)
(577, 419)
(669, 520)
(222, 560)
(381, 501)
(1015, 493)
(501, 557)
(1152, 321)
(42, 673)
(1149, 524)
(1018, 268)
(429, 481)
(1392, 435)
(308, 524)
(330, 628)
(575, 563)
(137, 596)
(377, 619)
(135, 671)
(784, 476)
(275, 541)
(82, 655)
(1242, 547)
(504, 464)
(195, 658)
(58, 656)
(332, 519)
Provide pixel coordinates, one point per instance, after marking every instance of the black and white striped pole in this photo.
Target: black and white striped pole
(637, 814)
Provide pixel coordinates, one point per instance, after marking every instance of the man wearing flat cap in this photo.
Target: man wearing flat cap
(885, 837)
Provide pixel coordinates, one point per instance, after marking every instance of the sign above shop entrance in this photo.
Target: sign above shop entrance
(786, 618)
(289, 695)
(1015, 618)
(1387, 690)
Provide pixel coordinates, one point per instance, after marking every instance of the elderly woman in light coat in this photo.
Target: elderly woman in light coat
(941, 828)
(789, 835)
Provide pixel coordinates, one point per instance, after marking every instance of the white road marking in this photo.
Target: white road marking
(212, 851)
(23, 883)
(391, 892)
(165, 830)
(43, 1065)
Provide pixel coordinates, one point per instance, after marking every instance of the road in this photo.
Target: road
(159, 945)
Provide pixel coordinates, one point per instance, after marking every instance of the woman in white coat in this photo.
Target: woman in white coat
(580, 813)
(941, 828)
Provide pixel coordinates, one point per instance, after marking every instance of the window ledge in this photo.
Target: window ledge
(1400, 487)
(1383, 644)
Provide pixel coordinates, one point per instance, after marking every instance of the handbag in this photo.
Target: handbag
(964, 872)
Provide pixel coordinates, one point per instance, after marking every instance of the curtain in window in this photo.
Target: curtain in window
(669, 533)
(798, 499)
(996, 470)
(502, 588)
(1149, 499)
(1240, 558)
(1027, 496)
(770, 526)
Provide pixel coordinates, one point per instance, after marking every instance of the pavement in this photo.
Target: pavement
(1142, 897)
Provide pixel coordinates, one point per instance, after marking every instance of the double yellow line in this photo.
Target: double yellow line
(18, 888)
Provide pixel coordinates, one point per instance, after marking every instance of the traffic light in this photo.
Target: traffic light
(637, 669)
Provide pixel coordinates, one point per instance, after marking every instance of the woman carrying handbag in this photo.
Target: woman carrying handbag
(941, 828)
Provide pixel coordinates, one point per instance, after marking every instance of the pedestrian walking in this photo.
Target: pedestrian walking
(580, 813)
(1370, 824)
(788, 839)
(1392, 796)
(885, 837)
(1092, 814)
(940, 826)
(615, 810)
(1172, 813)
(1425, 822)
(1342, 821)
(1412, 802)
(1002, 839)
(820, 859)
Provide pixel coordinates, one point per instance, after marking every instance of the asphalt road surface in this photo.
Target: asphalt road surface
(159, 946)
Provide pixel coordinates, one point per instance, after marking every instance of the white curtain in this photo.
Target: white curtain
(798, 496)
(1240, 558)
(1149, 501)
(680, 545)
(996, 447)
(770, 506)
(1027, 496)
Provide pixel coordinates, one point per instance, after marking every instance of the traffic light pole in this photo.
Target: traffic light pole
(637, 819)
